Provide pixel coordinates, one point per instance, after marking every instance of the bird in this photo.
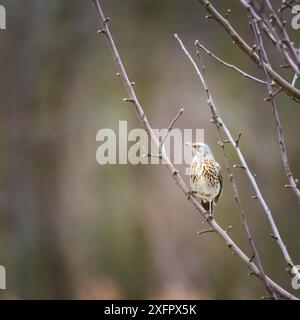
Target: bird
(205, 176)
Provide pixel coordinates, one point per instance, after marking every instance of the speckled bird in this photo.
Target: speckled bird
(205, 176)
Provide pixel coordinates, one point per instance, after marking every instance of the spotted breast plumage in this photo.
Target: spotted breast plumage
(205, 176)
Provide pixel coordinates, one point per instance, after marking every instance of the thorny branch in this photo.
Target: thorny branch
(177, 178)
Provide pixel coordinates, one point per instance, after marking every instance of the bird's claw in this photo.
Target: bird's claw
(208, 217)
(190, 193)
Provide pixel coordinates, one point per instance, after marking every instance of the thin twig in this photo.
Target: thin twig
(219, 122)
(232, 179)
(285, 5)
(169, 129)
(174, 173)
(242, 212)
(274, 95)
(205, 231)
(287, 48)
(162, 141)
(228, 64)
(269, 34)
(281, 140)
(242, 44)
(275, 30)
(149, 154)
(296, 76)
(237, 141)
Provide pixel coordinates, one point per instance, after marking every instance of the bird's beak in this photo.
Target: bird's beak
(189, 144)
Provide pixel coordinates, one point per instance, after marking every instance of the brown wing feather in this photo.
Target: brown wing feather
(205, 205)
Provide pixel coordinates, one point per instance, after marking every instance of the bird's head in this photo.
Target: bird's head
(200, 149)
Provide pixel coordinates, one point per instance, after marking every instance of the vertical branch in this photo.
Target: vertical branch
(285, 44)
(263, 57)
(242, 212)
(161, 145)
(296, 76)
(232, 179)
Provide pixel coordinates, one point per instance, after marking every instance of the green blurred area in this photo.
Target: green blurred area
(71, 228)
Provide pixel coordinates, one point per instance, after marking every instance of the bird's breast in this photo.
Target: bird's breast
(204, 178)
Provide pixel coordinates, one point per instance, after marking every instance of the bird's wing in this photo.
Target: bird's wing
(205, 205)
(221, 187)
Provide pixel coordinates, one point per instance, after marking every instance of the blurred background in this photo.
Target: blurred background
(71, 228)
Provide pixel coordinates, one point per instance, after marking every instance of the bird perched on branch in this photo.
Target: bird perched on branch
(205, 176)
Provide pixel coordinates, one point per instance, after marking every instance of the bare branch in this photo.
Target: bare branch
(169, 129)
(274, 28)
(228, 64)
(237, 141)
(296, 77)
(242, 212)
(274, 95)
(219, 122)
(231, 176)
(285, 5)
(264, 57)
(205, 231)
(285, 44)
(174, 173)
(241, 43)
